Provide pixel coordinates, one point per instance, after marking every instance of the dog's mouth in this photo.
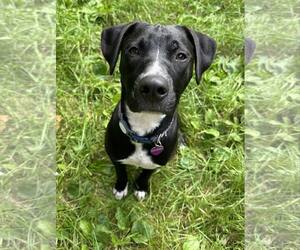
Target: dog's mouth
(144, 106)
(141, 104)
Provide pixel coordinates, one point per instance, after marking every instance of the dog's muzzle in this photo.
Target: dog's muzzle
(152, 88)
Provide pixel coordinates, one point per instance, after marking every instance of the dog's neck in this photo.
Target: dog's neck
(143, 123)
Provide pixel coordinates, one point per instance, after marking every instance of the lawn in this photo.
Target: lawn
(27, 125)
(197, 200)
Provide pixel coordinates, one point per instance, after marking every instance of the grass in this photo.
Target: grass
(27, 128)
(272, 128)
(197, 199)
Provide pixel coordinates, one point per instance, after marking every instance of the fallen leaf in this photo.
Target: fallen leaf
(58, 119)
(3, 120)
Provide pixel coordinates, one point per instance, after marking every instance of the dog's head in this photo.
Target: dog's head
(156, 62)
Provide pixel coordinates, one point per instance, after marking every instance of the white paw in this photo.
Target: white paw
(120, 194)
(140, 195)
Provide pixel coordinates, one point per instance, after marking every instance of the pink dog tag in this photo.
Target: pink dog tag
(157, 150)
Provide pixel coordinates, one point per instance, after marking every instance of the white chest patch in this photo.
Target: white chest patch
(140, 158)
(144, 122)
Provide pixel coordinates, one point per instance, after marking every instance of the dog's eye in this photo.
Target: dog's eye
(134, 51)
(181, 56)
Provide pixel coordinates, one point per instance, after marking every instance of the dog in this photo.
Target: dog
(155, 68)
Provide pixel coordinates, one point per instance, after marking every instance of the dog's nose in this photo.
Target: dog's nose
(153, 87)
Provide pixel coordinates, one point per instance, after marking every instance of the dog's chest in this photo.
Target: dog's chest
(142, 123)
(140, 158)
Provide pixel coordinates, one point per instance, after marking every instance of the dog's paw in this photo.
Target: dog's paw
(140, 195)
(120, 194)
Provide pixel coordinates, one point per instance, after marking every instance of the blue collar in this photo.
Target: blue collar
(124, 126)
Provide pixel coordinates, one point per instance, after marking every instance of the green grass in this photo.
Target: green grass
(272, 127)
(27, 126)
(197, 199)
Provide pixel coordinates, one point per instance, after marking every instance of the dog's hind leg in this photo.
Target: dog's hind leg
(121, 187)
(142, 184)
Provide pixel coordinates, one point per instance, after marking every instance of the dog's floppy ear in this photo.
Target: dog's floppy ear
(205, 49)
(111, 39)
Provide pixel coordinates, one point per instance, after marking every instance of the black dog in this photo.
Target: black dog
(156, 66)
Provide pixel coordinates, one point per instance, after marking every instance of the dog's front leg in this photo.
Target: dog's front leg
(142, 184)
(121, 187)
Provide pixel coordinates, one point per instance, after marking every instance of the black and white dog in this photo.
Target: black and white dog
(156, 66)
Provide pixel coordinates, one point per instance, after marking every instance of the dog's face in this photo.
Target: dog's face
(156, 62)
